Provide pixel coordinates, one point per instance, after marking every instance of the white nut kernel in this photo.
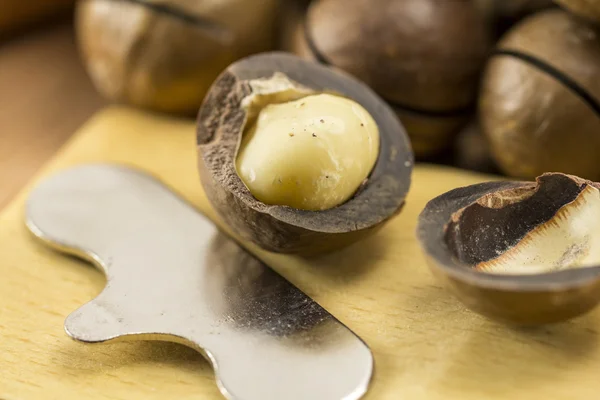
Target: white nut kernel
(312, 153)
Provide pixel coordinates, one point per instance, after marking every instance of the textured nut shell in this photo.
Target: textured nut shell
(518, 299)
(150, 59)
(535, 124)
(280, 228)
(562, 41)
(589, 9)
(422, 53)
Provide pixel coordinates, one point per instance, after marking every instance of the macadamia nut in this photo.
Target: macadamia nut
(312, 153)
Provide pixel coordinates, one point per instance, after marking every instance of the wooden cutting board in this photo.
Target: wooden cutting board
(426, 344)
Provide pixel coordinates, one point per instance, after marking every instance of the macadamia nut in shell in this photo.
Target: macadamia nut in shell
(307, 126)
(165, 55)
(540, 98)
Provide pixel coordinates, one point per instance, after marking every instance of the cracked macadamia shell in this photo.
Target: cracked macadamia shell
(422, 56)
(233, 103)
(521, 252)
(540, 98)
(164, 55)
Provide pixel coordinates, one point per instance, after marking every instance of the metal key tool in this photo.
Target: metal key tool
(171, 275)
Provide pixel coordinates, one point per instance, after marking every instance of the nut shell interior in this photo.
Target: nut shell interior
(221, 123)
(520, 252)
(549, 226)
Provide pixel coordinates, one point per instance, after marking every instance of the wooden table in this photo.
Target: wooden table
(426, 344)
(45, 95)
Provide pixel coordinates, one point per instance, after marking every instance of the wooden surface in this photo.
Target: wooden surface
(45, 95)
(426, 345)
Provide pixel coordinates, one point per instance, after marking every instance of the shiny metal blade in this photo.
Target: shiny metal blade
(171, 275)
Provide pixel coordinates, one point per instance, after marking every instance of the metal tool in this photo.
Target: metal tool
(171, 275)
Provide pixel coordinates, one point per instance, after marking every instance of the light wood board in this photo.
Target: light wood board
(426, 345)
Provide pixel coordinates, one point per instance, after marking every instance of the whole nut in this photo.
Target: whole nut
(164, 57)
(423, 56)
(540, 98)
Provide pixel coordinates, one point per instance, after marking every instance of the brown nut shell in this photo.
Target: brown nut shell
(423, 53)
(165, 56)
(540, 98)
(467, 228)
(588, 9)
(423, 56)
(283, 229)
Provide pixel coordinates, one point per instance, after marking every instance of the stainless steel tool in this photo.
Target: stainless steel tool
(171, 275)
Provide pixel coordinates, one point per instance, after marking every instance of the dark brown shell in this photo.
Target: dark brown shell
(455, 232)
(283, 229)
(540, 98)
(587, 9)
(423, 56)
